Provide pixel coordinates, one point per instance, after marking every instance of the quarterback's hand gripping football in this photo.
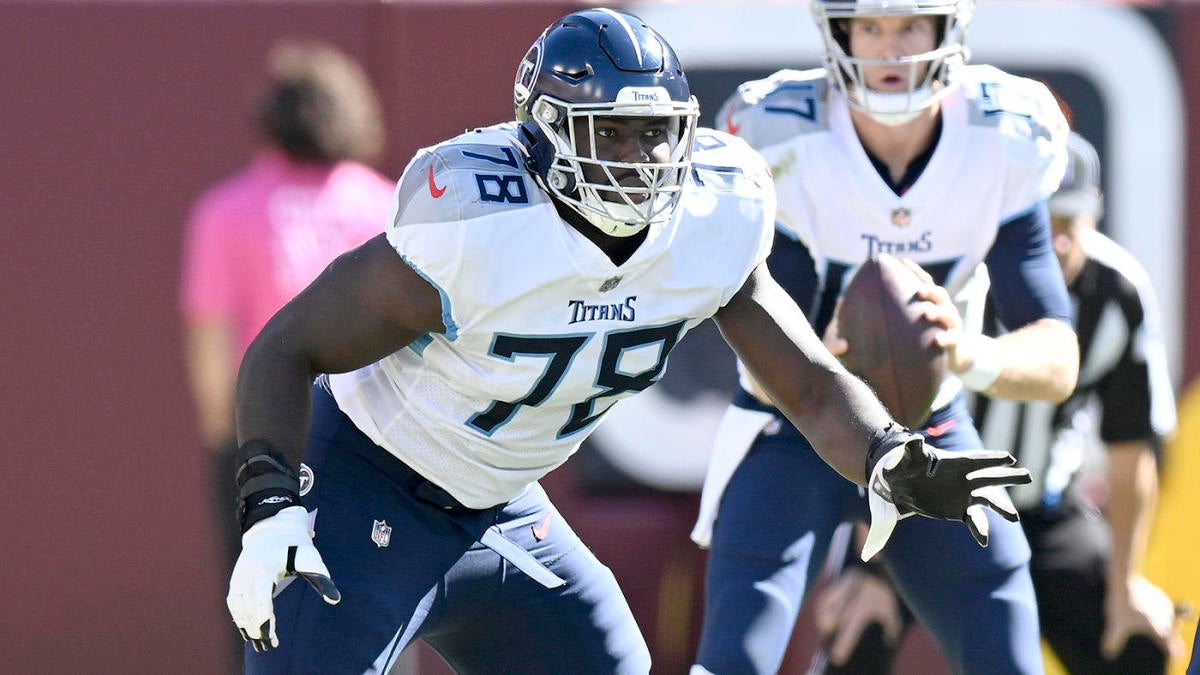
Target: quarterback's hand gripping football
(912, 477)
(273, 549)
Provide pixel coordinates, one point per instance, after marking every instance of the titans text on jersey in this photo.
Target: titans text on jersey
(541, 327)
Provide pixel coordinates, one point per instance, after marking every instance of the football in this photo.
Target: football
(891, 343)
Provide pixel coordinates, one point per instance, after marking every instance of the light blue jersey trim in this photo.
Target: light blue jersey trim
(447, 317)
(421, 343)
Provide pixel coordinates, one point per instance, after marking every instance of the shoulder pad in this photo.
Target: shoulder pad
(728, 160)
(777, 108)
(1030, 126)
(1017, 106)
(469, 176)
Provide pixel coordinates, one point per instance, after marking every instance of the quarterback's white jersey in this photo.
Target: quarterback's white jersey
(1001, 151)
(543, 333)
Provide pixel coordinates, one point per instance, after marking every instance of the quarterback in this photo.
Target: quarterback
(895, 146)
(533, 273)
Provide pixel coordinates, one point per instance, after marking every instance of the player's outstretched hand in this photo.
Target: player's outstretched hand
(273, 549)
(917, 478)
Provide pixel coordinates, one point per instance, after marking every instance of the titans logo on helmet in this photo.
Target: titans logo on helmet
(527, 73)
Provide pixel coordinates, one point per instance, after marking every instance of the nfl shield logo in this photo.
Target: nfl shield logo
(901, 217)
(381, 534)
(609, 284)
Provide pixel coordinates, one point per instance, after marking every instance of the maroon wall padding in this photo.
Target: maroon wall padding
(114, 116)
(1186, 26)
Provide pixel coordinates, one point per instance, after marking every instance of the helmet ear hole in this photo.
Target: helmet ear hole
(559, 180)
(545, 111)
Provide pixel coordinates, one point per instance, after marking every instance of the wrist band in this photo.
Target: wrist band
(885, 440)
(266, 483)
(984, 372)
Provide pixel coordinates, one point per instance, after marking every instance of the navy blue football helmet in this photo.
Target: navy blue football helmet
(603, 63)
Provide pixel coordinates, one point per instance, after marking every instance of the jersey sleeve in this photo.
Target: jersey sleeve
(776, 109)
(425, 227)
(453, 205)
(727, 164)
(1032, 134)
(1026, 280)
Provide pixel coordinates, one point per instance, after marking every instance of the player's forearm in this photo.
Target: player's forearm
(839, 415)
(274, 397)
(835, 411)
(1039, 362)
(1133, 493)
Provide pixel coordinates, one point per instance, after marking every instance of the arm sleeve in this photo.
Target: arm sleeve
(1027, 282)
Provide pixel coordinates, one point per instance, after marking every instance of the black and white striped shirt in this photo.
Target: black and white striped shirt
(1124, 391)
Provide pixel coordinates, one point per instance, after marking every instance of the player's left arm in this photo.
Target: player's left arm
(1137, 408)
(1132, 604)
(1039, 358)
(851, 430)
(836, 411)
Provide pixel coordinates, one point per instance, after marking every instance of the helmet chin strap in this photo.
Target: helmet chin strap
(893, 110)
(614, 227)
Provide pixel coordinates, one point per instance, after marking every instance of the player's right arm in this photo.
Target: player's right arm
(367, 304)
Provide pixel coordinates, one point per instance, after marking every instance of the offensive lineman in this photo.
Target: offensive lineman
(533, 274)
(894, 147)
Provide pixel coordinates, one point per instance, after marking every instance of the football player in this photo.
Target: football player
(533, 273)
(1099, 614)
(895, 146)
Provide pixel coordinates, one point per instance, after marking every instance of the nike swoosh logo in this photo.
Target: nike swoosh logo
(541, 529)
(939, 429)
(433, 188)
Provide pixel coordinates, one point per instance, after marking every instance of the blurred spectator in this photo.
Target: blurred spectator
(258, 237)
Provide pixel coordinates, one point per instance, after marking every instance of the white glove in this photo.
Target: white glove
(273, 549)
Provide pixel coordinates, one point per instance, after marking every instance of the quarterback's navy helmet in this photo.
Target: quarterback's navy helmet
(604, 63)
(925, 88)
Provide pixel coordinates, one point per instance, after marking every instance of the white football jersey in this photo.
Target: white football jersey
(543, 332)
(1002, 150)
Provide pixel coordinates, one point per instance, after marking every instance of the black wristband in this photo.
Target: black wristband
(266, 484)
(885, 439)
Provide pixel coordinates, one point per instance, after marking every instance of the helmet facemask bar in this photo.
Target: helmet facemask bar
(616, 209)
(941, 64)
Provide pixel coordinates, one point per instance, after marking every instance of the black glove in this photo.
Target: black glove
(906, 476)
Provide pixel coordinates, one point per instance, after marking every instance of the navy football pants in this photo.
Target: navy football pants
(772, 534)
(429, 576)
